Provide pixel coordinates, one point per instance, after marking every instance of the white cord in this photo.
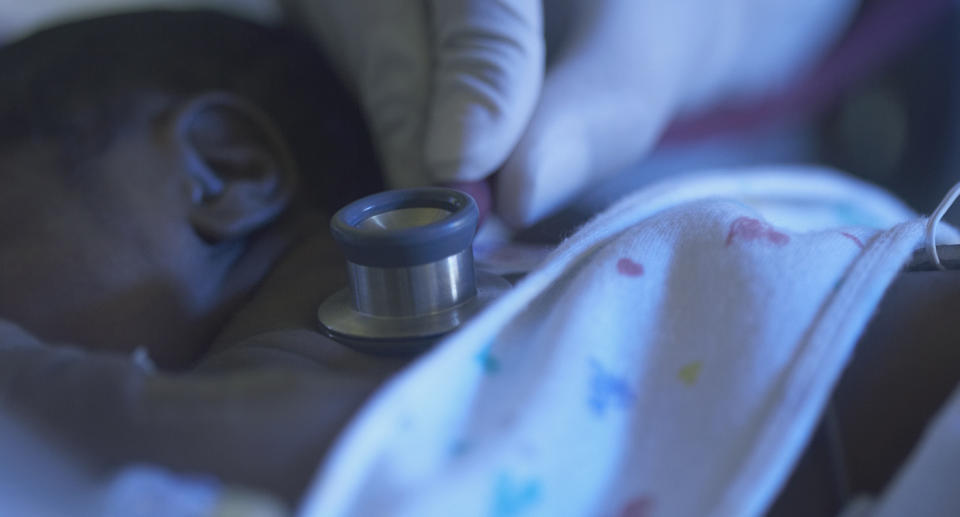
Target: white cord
(935, 219)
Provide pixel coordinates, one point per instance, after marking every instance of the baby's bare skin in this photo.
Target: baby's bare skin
(258, 411)
(905, 366)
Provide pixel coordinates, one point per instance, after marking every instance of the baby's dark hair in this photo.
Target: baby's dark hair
(76, 84)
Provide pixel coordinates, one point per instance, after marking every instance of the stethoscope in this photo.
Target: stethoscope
(412, 278)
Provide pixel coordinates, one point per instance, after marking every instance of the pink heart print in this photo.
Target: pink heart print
(627, 267)
(750, 229)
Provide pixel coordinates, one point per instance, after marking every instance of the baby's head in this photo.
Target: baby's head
(147, 165)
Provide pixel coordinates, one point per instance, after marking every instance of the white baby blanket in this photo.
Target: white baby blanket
(671, 358)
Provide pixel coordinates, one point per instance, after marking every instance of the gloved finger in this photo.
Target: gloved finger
(393, 86)
(488, 72)
(381, 49)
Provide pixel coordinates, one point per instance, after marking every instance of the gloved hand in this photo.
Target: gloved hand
(452, 88)
(447, 85)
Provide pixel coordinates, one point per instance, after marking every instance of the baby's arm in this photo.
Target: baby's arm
(261, 416)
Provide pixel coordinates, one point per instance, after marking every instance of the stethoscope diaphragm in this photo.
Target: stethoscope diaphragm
(411, 273)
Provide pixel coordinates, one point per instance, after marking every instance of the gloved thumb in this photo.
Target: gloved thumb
(605, 101)
(569, 145)
(488, 69)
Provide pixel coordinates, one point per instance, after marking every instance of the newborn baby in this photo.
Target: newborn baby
(155, 168)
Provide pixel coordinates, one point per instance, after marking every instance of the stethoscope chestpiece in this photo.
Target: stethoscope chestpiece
(410, 267)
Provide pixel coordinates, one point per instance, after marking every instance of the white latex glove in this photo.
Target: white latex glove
(450, 87)
(447, 85)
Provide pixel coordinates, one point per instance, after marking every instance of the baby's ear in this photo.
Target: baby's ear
(240, 172)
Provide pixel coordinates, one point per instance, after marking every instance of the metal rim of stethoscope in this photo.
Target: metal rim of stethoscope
(410, 268)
